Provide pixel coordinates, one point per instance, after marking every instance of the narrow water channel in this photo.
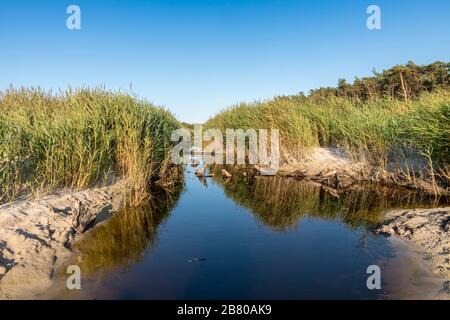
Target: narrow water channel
(242, 238)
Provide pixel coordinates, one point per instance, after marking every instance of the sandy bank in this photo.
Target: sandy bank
(429, 229)
(36, 236)
(335, 168)
(331, 166)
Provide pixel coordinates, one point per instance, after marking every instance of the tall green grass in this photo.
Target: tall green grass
(373, 128)
(78, 138)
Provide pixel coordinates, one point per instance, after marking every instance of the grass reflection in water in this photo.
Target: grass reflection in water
(123, 239)
(281, 202)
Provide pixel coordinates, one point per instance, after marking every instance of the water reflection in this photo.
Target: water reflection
(123, 239)
(210, 248)
(281, 202)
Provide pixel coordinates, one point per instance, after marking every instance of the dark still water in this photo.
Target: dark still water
(245, 238)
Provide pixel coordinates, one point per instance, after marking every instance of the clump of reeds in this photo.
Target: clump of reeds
(78, 138)
(370, 129)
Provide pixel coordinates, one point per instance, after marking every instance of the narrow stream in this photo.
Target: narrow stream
(246, 238)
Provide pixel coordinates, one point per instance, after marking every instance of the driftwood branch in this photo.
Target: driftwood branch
(82, 217)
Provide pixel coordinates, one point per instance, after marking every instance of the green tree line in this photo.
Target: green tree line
(401, 82)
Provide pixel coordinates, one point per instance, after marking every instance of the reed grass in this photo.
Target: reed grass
(372, 128)
(78, 138)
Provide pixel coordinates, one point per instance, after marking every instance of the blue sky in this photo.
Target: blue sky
(198, 57)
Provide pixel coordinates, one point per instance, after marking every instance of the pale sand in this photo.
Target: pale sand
(36, 236)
